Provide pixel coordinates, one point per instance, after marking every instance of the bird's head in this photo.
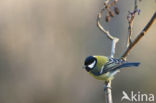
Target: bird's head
(90, 63)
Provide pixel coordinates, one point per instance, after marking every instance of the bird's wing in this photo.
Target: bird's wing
(111, 64)
(115, 64)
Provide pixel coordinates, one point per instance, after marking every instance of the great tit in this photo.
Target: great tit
(104, 68)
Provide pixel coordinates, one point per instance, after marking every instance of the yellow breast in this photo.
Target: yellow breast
(104, 77)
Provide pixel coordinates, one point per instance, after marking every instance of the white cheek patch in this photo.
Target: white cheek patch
(92, 64)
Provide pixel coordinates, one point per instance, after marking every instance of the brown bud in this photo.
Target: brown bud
(107, 18)
(111, 13)
(116, 10)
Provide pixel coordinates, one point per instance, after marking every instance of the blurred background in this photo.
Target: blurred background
(43, 44)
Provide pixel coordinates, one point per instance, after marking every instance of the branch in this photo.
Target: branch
(142, 33)
(108, 92)
(101, 27)
(130, 18)
(109, 36)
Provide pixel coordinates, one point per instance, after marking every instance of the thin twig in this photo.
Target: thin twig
(101, 27)
(130, 22)
(140, 35)
(113, 39)
(130, 19)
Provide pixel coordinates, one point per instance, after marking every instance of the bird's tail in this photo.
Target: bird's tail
(124, 65)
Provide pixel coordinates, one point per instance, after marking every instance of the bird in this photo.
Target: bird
(104, 68)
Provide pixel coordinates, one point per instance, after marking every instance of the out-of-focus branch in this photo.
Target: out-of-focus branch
(142, 33)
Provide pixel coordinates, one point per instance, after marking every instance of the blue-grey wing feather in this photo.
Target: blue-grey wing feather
(114, 64)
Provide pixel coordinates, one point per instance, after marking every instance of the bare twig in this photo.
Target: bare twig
(142, 33)
(113, 39)
(101, 27)
(130, 19)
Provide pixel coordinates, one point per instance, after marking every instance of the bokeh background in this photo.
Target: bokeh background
(43, 44)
